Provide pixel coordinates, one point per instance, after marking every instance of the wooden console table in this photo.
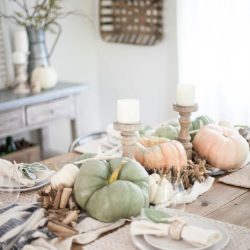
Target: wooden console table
(22, 113)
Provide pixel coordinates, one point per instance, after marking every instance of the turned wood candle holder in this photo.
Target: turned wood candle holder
(185, 121)
(128, 133)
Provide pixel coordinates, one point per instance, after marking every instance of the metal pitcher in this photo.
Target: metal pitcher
(38, 53)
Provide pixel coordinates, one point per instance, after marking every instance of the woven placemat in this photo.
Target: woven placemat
(121, 239)
(240, 178)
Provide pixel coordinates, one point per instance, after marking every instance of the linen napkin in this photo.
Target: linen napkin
(25, 174)
(187, 196)
(20, 224)
(89, 230)
(7, 169)
(192, 234)
(24, 227)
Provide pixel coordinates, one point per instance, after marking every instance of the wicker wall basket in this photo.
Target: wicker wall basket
(136, 22)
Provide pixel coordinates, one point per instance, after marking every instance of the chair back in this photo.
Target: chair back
(86, 138)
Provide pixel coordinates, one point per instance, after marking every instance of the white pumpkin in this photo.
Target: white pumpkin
(65, 176)
(222, 147)
(160, 189)
(46, 76)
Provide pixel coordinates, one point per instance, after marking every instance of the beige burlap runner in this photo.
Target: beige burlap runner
(121, 239)
(240, 178)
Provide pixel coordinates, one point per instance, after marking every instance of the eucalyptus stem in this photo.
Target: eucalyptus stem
(44, 13)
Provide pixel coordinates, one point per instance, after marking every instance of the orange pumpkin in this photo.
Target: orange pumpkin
(222, 147)
(157, 153)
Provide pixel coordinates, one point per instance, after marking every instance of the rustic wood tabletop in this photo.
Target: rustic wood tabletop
(222, 202)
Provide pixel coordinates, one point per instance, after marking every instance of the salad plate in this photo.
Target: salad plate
(151, 242)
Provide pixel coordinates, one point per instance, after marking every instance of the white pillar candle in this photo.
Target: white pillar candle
(19, 58)
(21, 43)
(128, 111)
(185, 95)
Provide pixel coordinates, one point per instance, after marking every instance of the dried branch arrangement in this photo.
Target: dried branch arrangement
(41, 15)
(196, 169)
(197, 159)
(61, 210)
(192, 172)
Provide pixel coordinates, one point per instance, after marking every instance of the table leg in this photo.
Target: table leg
(44, 140)
(74, 129)
(74, 122)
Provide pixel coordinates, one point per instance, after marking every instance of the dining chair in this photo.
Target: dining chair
(81, 140)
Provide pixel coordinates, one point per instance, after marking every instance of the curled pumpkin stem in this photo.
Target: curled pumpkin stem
(115, 174)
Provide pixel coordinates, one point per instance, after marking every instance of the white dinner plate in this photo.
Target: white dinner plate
(22, 188)
(150, 242)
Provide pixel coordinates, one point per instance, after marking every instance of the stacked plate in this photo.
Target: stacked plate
(7, 184)
(151, 242)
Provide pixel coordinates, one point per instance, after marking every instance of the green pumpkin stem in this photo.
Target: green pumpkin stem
(115, 174)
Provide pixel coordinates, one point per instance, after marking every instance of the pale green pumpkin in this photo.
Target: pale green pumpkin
(168, 130)
(111, 190)
(200, 121)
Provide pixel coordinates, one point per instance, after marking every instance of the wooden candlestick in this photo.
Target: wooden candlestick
(128, 133)
(185, 121)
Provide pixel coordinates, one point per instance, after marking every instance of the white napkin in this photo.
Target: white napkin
(197, 189)
(11, 170)
(7, 169)
(194, 235)
(190, 194)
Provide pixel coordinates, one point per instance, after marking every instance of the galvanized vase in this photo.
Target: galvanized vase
(38, 53)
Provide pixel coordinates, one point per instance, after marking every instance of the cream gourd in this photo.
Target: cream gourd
(222, 147)
(65, 176)
(160, 189)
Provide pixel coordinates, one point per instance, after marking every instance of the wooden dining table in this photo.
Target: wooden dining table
(222, 202)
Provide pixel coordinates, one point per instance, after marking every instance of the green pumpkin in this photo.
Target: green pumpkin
(200, 121)
(168, 130)
(111, 190)
(143, 131)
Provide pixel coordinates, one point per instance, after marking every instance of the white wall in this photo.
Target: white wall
(116, 71)
(214, 54)
(146, 73)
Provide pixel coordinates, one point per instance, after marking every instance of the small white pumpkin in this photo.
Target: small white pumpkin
(46, 76)
(65, 176)
(160, 189)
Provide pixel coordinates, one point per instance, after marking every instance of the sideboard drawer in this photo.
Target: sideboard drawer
(11, 120)
(44, 112)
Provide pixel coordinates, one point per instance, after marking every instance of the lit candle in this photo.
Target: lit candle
(128, 111)
(185, 95)
(19, 58)
(21, 43)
